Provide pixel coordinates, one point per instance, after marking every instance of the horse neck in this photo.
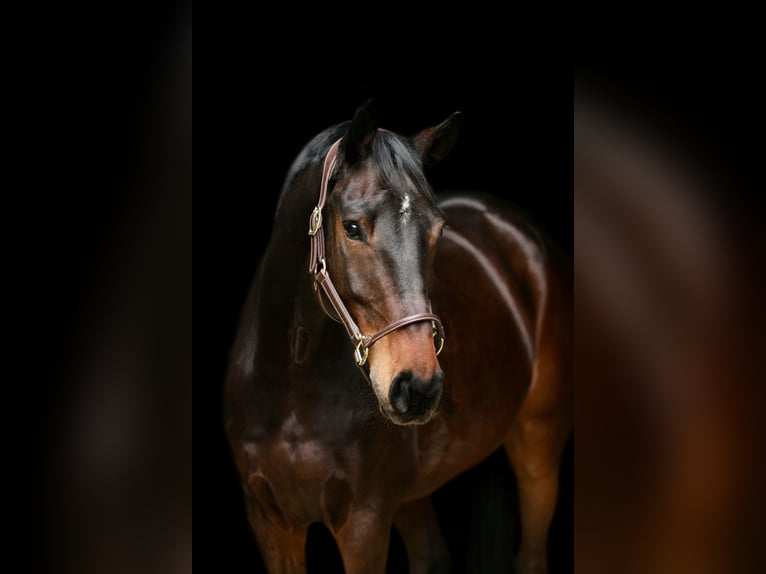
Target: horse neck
(287, 297)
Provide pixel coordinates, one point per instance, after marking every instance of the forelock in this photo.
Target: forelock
(397, 164)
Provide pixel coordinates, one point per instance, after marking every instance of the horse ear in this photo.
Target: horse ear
(433, 144)
(356, 143)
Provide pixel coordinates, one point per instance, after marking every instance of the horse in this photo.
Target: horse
(390, 341)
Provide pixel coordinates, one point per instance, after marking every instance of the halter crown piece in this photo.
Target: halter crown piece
(318, 271)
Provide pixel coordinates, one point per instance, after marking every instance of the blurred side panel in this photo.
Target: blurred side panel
(669, 470)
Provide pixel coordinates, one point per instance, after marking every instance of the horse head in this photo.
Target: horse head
(381, 227)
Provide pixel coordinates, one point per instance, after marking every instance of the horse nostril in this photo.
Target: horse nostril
(399, 393)
(409, 394)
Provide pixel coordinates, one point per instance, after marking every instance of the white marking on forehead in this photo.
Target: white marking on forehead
(405, 209)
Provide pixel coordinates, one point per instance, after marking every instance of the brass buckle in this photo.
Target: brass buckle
(315, 221)
(361, 359)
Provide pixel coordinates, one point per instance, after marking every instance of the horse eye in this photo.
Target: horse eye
(353, 230)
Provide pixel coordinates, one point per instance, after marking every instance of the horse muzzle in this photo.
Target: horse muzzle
(413, 400)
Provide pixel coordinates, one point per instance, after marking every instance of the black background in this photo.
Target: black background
(515, 143)
(84, 97)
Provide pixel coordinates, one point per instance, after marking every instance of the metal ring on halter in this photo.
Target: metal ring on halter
(441, 341)
(315, 221)
(361, 359)
(317, 271)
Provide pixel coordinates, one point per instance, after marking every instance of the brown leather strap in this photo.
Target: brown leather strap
(318, 270)
(317, 256)
(324, 281)
(417, 318)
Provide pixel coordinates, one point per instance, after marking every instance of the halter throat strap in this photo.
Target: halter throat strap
(318, 272)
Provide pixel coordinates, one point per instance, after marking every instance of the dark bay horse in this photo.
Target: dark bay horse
(338, 409)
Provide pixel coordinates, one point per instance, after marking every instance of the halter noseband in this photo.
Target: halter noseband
(318, 270)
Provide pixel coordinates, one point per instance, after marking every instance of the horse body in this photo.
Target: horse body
(493, 277)
(308, 434)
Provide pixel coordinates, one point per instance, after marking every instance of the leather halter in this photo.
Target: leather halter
(318, 271)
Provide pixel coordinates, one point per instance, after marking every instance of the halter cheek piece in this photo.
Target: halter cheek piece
(318, 270)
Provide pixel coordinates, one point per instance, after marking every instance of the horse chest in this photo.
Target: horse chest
(305, 471)
(288, 473)
(297, 453)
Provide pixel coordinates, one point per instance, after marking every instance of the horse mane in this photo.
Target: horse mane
(394, 157)
(313, 152)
